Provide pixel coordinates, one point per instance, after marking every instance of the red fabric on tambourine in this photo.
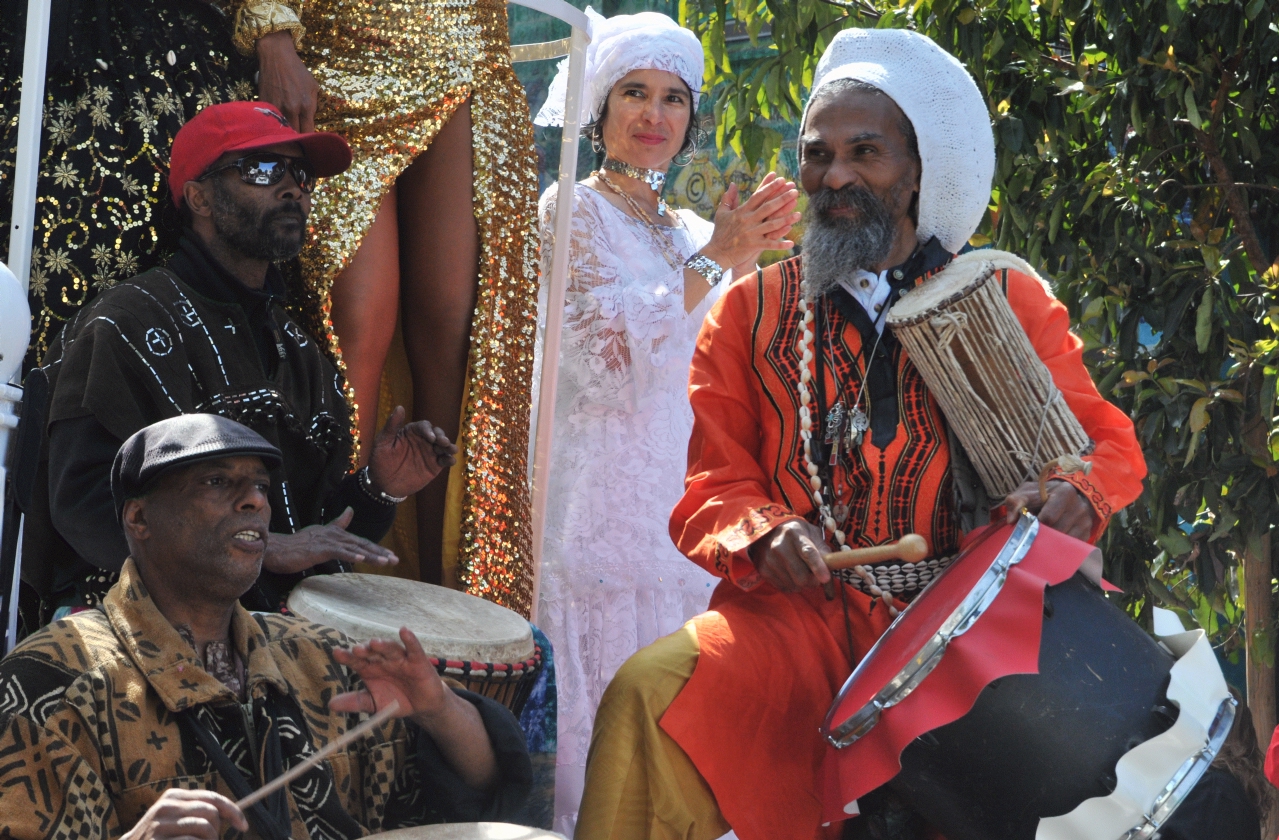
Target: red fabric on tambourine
(1003, 640)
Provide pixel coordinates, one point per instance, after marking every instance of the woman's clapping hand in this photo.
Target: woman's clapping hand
(745, 229)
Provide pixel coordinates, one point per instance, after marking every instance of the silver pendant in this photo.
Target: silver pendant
(858, 423)
(835, 422)
(835, 431)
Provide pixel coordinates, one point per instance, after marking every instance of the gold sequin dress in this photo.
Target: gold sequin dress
(391, 74)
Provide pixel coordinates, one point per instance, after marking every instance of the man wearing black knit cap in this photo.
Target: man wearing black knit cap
(152, 716)
(209, 332)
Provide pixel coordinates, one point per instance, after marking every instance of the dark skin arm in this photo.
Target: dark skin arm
(284, 81)
(315, 544)
(790, 556)
(1066, 510)
(200, 814)
(405, 458)
(400, 671)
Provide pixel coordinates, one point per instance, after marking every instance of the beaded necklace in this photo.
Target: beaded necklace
(823, 492)
(673, 258)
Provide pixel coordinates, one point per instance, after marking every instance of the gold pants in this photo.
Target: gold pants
(639, 784)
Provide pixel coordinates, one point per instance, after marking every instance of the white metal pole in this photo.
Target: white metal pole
(15, 333)
(30, 124)
(555, 299)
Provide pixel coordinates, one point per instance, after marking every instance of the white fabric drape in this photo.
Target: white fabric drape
(611, 579)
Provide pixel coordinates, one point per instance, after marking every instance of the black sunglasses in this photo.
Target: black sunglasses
(268, 170)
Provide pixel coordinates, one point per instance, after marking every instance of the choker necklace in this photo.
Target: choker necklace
(655, 179)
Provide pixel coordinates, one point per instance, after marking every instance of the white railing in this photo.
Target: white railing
(575, 48)
(15, 320)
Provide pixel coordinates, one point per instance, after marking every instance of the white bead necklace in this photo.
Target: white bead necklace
(829, 525)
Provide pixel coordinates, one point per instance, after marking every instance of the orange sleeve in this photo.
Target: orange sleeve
(1118, 464)
(726, 504)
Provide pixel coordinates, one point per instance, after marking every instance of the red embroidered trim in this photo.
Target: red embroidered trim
(1087, 489)
(755, 524)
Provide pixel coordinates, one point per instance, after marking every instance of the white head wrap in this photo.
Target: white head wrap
(935, 92)
(620, 44)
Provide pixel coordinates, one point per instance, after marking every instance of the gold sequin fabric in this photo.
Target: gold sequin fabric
(117, 91)
(391, 74)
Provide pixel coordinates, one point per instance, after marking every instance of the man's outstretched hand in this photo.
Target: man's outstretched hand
(790, 556)
(400, 671)
(406, 456)
(392, 671)
(316, 544)
(1066, 509)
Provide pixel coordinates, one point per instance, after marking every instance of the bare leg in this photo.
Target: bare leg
(439, 262)
(366, 296)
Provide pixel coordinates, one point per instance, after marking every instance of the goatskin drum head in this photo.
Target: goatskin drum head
(449, 624)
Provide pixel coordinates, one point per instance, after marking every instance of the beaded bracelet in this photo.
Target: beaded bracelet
(366, 485)
(258, 18)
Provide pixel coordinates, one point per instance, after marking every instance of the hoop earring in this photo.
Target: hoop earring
(687, 154)
(597, 142)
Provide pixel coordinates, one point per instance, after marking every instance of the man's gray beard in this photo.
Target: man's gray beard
(836, 247)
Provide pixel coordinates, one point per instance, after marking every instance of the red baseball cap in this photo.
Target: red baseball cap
(243, 127)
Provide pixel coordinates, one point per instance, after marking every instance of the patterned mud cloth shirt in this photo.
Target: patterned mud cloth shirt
(92, 730)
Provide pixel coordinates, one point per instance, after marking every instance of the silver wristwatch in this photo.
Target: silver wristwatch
(707, 267)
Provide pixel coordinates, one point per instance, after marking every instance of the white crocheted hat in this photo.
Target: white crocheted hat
(620, 44)
(941, 100)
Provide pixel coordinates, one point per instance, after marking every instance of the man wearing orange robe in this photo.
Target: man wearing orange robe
(716, 726)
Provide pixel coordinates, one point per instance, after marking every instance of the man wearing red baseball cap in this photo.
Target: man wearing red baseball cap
(209, 332)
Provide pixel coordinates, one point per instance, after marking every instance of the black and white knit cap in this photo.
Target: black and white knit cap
(177, 441)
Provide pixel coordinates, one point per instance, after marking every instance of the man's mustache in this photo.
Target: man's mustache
(292, 209)
(850, 197)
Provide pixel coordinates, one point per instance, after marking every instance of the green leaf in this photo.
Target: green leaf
(1203, 321)
(1254, 9)
(996, 43)
(1191, 450)
(1107, 384)
(1174, 542)
(1192, 109)
(1199, 414)
(1054, 223)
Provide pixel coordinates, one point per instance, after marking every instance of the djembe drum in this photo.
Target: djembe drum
(1012, 701)
(486, 648)
(976, 360)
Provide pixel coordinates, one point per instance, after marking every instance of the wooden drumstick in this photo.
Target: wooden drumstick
(909, 549)
(321, 754)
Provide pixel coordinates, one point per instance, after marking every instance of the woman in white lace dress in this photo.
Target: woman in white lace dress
(641, 277)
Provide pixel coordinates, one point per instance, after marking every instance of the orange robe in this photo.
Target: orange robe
(770, 663)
